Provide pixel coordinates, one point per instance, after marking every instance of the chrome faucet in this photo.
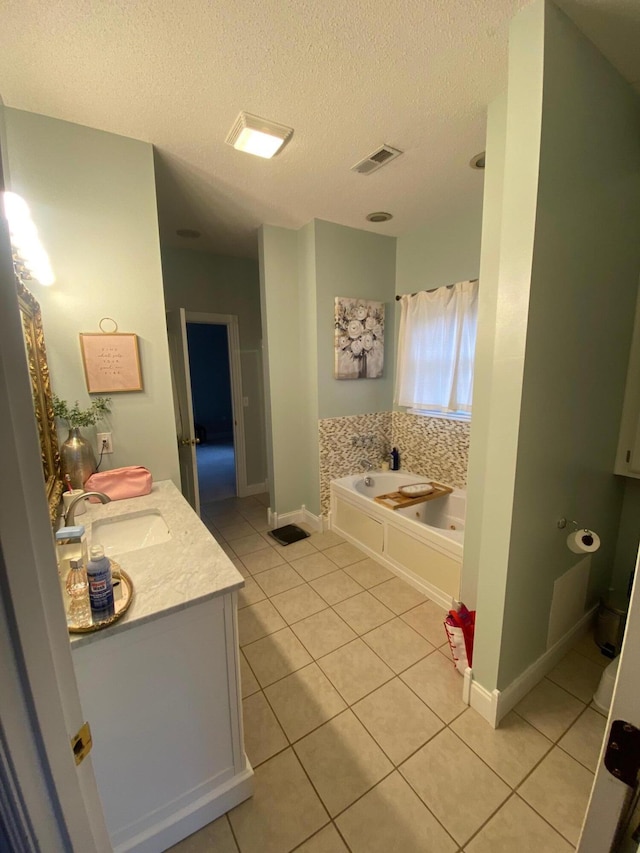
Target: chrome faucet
(70, 515)
(367, 465)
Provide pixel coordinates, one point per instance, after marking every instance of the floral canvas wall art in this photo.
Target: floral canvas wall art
(359, 338)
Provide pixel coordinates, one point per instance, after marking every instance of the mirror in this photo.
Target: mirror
(41, 392)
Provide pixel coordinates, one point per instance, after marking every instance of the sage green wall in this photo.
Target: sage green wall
(289, 394)
(442, 252)
(569, 262)
(483, 370)
(216, 284)
(351, 262)
(92, 197)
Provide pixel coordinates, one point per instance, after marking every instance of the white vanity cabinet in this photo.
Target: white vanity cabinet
(161, 687)
(628, 455)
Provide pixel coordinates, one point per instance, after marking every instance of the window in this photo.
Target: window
(436, 349)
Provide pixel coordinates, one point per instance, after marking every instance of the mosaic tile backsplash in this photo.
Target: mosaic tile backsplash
(432, 447)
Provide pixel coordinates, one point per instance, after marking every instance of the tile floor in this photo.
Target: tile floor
(355, 726)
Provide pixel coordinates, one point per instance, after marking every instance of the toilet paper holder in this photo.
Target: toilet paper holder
(562, 523)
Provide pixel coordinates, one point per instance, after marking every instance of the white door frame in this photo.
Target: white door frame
(233, 339)
(39, 702)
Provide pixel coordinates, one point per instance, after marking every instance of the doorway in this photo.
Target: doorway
(208, 346)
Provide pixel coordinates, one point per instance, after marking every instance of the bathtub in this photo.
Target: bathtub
(422, 544)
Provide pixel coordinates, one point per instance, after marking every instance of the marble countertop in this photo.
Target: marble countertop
(189, 568)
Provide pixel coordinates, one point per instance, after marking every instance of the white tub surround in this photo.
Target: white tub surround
(161, 687)
(422, 543)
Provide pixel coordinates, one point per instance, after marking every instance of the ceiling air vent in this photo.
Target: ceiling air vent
(374, 161)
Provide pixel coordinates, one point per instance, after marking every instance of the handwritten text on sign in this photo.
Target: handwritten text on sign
(111, 362)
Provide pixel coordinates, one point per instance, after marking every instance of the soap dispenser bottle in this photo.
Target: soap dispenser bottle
(100, 585)
(395, 459)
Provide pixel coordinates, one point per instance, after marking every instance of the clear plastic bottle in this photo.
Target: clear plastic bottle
(77, 586)
(100, 585)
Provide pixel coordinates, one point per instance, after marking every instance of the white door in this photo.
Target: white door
(181, 381)
(609, 796)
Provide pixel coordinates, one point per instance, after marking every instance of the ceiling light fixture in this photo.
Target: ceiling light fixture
(255, 135)
(188, 233)
(478, 161)
(379, 216)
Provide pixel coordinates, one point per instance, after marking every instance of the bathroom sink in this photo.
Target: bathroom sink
(130, 532)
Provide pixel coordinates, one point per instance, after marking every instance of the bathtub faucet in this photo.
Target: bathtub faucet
(366, 465)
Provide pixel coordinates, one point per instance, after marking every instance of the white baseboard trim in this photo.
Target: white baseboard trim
(296, 516)
(192, 817)
(253, 489)
(496, 704)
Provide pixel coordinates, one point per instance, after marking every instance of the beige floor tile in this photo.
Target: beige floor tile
(558, 789)
(516, 828)
(355, 670)
(275, 656)
(326, 841)
(336, 587)
(284, 810)
(214, 836)
(248, 681)
(578, 675)
(397, 595)
(549, 708)
(249, 544)
(257, 621)
(240, 566)
(586, 645)
(437, 682)
(326, 539)
(368, 573)
(280, 579)
(343, 555)
(221, 515)
(258, 522)
(342, 760)
(398, 721)
(260, 561)
(428, 620)
(584, 739)
(363, 612)
(397, 644)
(236, 531)
(250, 593)
(303, 548)
(323, 633)
(313, 566)
(512, 750)
(298, 603)
(304, 700)
(263, 736)
(449, 778)
(392, 818)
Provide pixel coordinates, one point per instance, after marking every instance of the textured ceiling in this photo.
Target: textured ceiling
(347, 76)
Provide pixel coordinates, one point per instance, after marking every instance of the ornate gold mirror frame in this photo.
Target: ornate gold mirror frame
(41, 392)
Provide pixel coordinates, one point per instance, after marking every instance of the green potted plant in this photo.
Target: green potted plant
(76, 453)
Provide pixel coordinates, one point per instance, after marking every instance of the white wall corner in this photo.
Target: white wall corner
(484, 701)
(315, 522)
(296, 516)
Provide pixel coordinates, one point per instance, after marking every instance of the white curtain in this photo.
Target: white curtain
(436, 348)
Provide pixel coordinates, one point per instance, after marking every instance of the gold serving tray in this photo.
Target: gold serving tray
(122, 602)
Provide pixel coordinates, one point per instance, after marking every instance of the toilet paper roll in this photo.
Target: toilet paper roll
(583, 541)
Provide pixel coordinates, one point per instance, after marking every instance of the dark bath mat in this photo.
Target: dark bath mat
(288, 534)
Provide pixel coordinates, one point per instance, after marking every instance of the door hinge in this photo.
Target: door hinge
(622, 756)
(81, 743)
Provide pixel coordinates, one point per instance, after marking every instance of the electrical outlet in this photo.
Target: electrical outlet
(105, 444)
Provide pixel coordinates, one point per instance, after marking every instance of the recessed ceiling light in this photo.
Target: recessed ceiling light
(188, 233)
(478, 161)
(379, 216)
(255, 135)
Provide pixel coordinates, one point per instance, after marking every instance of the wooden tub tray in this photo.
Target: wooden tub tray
(396, 500)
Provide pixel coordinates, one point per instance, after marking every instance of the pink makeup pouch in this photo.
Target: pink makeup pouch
(120, 483)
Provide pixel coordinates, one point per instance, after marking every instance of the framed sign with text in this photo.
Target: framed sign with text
(111, 362)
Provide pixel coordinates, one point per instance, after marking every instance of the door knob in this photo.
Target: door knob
(184, 442)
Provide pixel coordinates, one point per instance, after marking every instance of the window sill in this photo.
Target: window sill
(448, 416)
